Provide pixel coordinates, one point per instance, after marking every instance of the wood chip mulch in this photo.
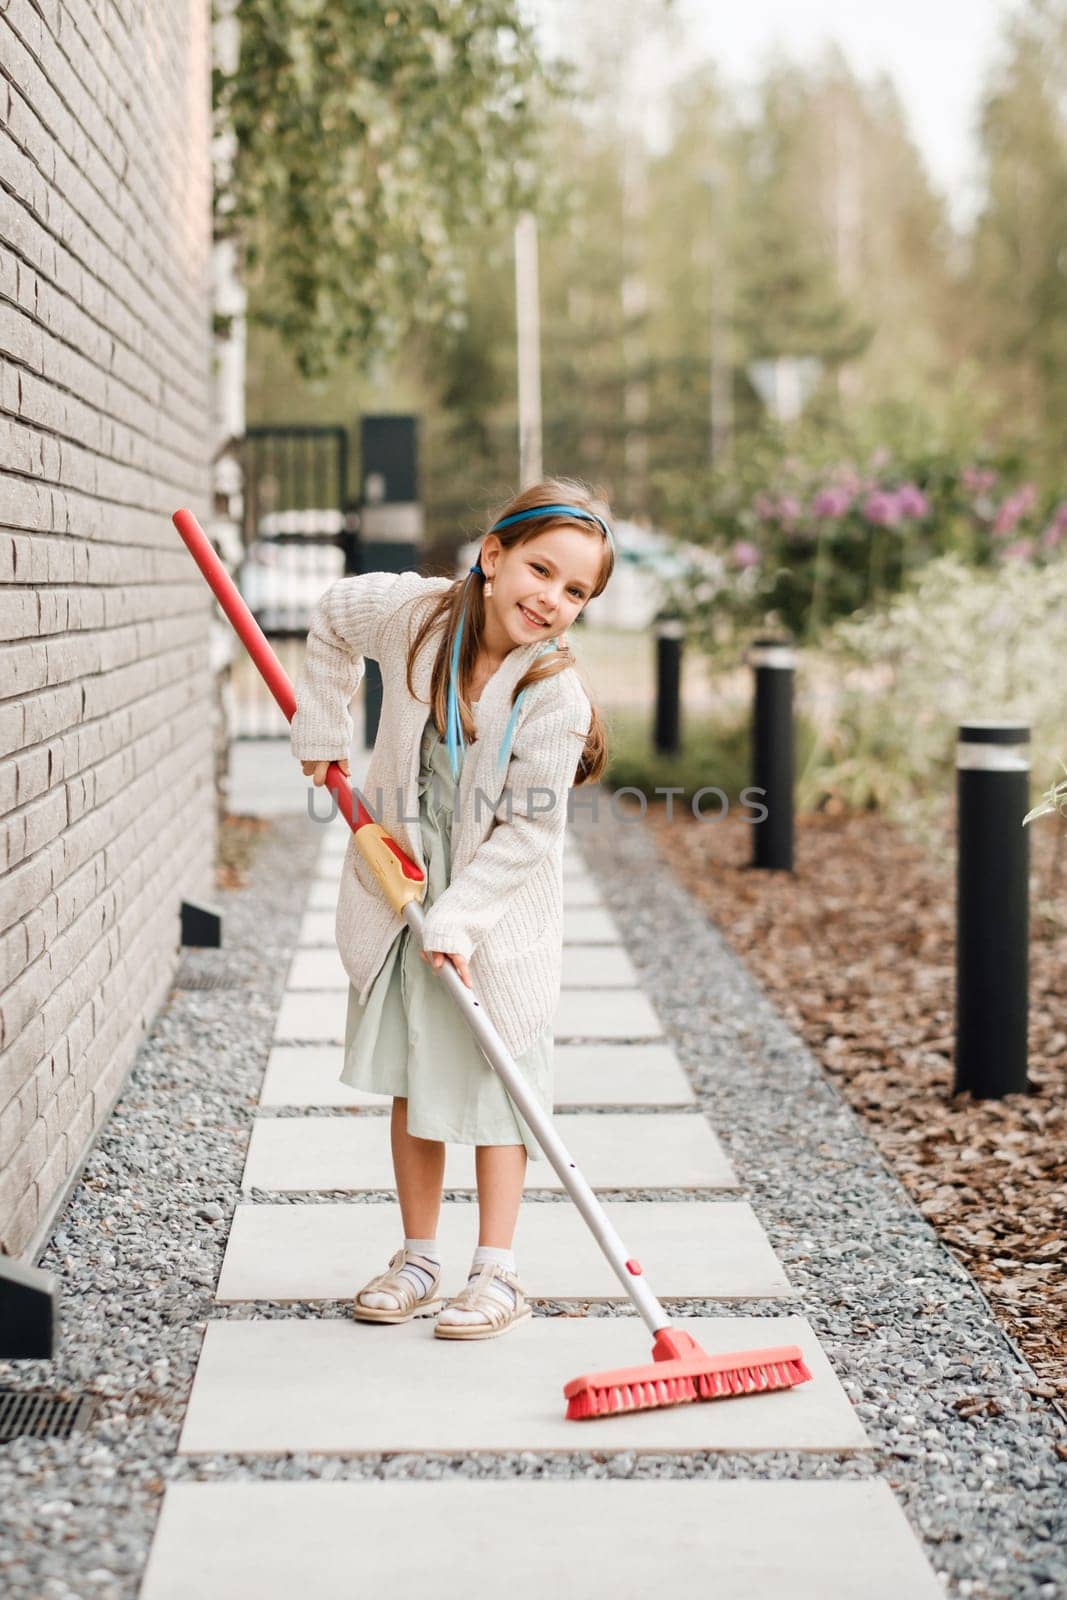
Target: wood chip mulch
(856, 948)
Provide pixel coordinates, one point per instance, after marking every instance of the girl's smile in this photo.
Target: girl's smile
(561, 569)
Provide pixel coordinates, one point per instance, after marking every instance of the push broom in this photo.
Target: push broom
(680, 1369)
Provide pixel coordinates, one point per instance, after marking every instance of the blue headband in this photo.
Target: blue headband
(454, 729)
(543, 511)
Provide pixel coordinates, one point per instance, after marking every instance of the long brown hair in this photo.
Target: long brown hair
(445, 610)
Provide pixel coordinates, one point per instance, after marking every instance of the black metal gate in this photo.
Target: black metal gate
(299, 534)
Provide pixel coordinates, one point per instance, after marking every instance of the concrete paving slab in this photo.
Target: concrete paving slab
(590, 927)
(319, 1018)
(606, 1014)
(578, 875)
(341, 1387)
(587, 1013)
(316, 929)
(307, 1075)
(322, 893)
(317, 969)
(623, 1150)
(264, 779)
(587, 966)
(580, 891)
(585, 1075)
(620, 1540)
(580, 926)
(334, 839)
(619, 1075)
(692, 1250)
(599, 966)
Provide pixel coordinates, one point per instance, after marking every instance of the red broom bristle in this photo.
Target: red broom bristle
(694, 1376)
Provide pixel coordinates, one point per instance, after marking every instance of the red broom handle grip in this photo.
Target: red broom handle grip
(274, 674)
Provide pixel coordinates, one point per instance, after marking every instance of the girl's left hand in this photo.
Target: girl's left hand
(435, 958)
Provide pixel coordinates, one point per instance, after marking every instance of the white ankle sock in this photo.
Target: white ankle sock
(503, 1291)
(418, 1274)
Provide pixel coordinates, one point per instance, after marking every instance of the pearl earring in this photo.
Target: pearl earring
(488, 587)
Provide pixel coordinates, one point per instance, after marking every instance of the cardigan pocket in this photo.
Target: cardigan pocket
(533, 912)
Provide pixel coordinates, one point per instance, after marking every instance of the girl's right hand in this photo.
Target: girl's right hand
(316, 770)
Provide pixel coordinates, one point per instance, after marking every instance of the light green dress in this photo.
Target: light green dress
(409, 1038)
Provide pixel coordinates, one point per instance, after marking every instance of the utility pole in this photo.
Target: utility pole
(720, 419)
(528, 331)
(636, 397)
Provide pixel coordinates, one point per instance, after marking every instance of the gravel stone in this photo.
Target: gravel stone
(140, 1245)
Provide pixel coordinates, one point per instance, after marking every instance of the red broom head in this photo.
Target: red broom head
(682, 1371)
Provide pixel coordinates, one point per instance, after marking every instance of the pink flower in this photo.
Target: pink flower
(1021, 550)
(745, 553)
(788, 510)
(831, 503)
(846, 477)
(882, 509)
(879, 458)
(1014, 507)
(978, 480)
(1053, 534)
(1006, 519)
(911, 501)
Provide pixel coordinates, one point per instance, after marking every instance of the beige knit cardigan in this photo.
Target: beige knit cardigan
(503, 908)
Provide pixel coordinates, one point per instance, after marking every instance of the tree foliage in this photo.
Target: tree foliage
(370, 138)
(1018, 300)
(830, 236)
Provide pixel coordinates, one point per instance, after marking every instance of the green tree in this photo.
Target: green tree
(369, 139)
(1018, 302)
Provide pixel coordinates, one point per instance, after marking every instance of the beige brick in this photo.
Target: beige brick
(80, 1128)
(14, 953)
(16, 1119)
(23, 1000)
(51, 1173)
(46, 1079)
(104, 632)
(19, 1061)
(27, 1159)
(22, 1224)
(44, 820)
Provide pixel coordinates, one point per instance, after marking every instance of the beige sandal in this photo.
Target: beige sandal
(477, 1296)
(411, 1303)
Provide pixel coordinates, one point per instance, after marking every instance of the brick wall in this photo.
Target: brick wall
(107, 804)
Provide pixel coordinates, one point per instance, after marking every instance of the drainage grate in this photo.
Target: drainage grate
(42, 1415)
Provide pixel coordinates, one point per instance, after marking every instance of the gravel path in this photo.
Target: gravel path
(140, 1247)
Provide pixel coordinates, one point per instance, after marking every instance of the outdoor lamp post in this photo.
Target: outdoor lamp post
(992, 908)
(774, 663)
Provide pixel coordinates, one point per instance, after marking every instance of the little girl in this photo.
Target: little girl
(491, 653)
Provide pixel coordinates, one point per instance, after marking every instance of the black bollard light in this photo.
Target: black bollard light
(667, 735)
(992, 908)
(774, 662)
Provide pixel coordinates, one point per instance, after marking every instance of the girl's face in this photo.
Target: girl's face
(539, 586)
